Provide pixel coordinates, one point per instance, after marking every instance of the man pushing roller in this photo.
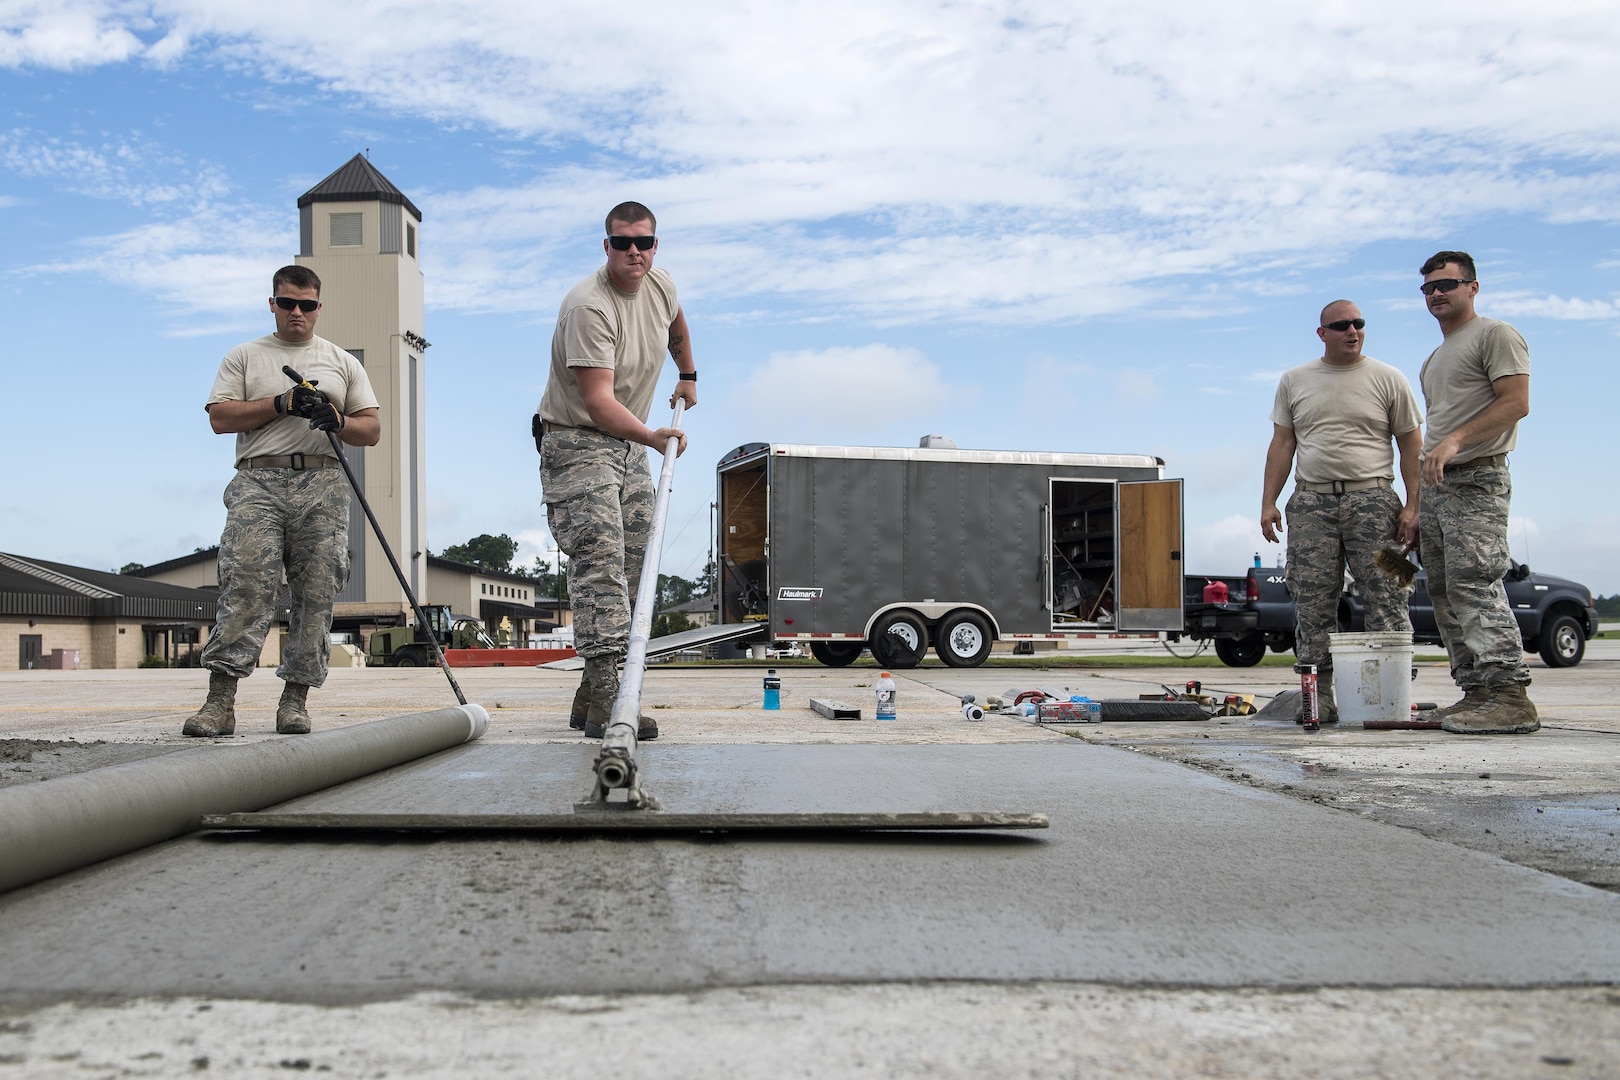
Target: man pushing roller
(287, 508)
(606, 356)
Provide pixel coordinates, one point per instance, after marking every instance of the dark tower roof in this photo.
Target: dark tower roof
(357, 181)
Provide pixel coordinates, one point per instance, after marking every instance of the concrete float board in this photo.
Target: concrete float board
(1151, 874)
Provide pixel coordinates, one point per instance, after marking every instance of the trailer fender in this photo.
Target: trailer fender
(932, 612)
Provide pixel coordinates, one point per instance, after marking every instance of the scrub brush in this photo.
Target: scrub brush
(1395, 563)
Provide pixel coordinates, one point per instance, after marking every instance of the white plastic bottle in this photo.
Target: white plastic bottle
(885, 697)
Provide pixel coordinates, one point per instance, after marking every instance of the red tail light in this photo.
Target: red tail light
(1253, 588)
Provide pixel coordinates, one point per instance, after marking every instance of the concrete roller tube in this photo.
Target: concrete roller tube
(72, 821)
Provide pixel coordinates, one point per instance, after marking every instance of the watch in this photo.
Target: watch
(688, 376)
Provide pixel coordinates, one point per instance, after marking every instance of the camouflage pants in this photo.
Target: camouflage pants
(1463, 523)
(1326, 533)
(280, 521)
(599, 501)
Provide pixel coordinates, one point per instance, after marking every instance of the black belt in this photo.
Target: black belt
(1477, 463)
(296, 462)
(1340, 487)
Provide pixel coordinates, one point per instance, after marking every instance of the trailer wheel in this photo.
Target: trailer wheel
(963, 639)
(836, 653)
(899, 640)
(1241, 652)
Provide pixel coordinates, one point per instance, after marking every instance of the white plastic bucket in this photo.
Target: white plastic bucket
(1372, 675)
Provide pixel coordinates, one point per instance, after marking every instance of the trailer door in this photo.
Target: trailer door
(1148, 553)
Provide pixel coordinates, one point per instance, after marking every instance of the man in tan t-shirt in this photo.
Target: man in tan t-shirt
(1477, 388)
(1338, 415)
(607, 352)
(287, 507)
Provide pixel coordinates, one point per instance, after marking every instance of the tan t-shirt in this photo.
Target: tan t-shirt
(599, 326)
(253, 370)
(1343, 418)
(1457, 380)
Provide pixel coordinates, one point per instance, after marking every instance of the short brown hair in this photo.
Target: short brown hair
(299, 277)
(1440, 258)
(630, 213)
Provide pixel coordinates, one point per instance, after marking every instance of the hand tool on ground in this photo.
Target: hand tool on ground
(1394, 562)
(421, 619)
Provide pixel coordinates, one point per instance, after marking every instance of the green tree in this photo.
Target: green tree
(485, 551)
(674, 590)
(671, 623)
(130, 568)
(548, 585)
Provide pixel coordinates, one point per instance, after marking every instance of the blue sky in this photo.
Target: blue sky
(1022, 225)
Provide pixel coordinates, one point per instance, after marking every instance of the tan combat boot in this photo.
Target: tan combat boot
(582, 704)
(218, 714)
(291, 716)
(1507, 710)
(602, 674)
(1473, 697)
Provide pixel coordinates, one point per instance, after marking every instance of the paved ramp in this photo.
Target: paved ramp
(1150, 874)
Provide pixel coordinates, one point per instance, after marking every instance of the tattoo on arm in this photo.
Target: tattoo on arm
(677, 344)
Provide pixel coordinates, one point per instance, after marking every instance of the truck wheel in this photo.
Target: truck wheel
(836, 653)
(899, 640)
(963, 640)
(1241, 652)
(1562, 642)
(406, 661)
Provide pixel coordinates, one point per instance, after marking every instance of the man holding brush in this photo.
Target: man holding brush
(1477, 388)
(1339, 415)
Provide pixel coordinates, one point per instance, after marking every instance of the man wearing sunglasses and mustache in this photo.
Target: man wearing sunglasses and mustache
(1339, 415)
(287, 508)
(1476, 386)
(607, 353)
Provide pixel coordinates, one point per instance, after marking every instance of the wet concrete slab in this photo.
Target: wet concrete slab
(1152, 874)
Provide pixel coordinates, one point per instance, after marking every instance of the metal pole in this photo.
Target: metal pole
(615, 764)
(421, 619)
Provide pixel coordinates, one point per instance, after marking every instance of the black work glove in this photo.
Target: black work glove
(304, 401)
(326, 417)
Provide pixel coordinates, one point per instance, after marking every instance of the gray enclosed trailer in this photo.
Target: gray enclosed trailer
(845, 547)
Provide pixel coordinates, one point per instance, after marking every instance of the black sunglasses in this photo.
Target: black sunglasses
(1344, 324)
(1445, 284)
(287, 303)
(622, 243)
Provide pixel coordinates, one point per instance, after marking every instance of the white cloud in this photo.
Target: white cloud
(66, 34)
(131, 168)
(1551, 306)
(212, 263)
(907, 162)
(867, 394)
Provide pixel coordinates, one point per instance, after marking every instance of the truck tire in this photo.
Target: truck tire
(899, 640)
(407, 660)
(963, 640)
(1245, 651)
(1562, 642)
(836, 653)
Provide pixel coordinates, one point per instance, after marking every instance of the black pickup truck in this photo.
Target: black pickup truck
(1555, 614)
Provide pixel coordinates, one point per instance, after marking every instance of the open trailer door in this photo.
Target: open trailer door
(1148, 554)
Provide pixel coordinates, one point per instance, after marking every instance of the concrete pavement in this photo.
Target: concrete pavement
(1259, 913)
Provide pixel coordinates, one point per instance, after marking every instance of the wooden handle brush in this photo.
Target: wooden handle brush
(1395, 563)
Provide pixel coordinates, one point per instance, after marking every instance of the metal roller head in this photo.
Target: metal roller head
(615, 772)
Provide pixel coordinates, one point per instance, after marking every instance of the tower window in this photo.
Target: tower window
(346, 230)
(410, 240)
